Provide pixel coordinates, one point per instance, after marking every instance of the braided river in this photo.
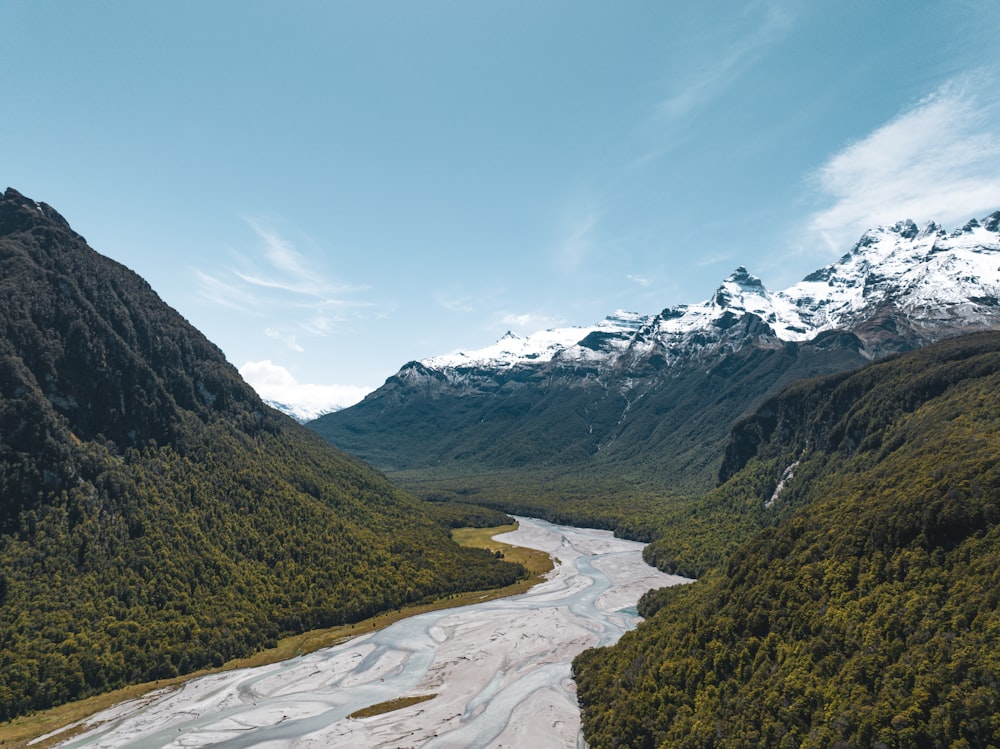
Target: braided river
(499, 671)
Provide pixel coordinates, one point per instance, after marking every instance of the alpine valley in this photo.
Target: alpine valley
(596, 424)
(824, 459)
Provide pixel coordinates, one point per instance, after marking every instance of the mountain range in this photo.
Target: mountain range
(653, 396)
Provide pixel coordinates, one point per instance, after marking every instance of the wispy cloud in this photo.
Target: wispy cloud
(280, 252)
(715, 259)
(274, 280)
(226, 293)
(285, 269)
(717, 72)
(639, 280)
(713, 70)
(289, 340)
(938, 161)
(578, 240)
(454, 302)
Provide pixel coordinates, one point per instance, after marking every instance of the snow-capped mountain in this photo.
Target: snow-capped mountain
(542, 346)
(932, 277)
(302, 412)
(656, 394)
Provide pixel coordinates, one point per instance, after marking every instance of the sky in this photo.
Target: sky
(329, 190)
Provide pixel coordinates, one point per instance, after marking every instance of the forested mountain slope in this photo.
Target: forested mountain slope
(155, 516)
(867, 613)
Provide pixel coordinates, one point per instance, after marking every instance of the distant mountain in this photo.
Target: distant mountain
(301, 412)
(654, 395)
(865, 608)
(155, 516)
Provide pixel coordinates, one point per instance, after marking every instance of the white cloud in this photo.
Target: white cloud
(637, 279)
(276, 383)
(266, 375)
(938, 161)
(519, 321)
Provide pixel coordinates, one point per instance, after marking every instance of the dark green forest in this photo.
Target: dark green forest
(163, 561)
(864, 609)
(155, 516)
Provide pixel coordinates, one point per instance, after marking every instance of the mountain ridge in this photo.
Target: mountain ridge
(832, 297)
(604, 397)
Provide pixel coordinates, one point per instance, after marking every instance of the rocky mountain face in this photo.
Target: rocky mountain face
(155, 516)
(656, 394)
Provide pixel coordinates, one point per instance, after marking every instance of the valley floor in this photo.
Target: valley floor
(498, 672)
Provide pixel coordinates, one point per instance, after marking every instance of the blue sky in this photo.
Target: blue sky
(330, 189)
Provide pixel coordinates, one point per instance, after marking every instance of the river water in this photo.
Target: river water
(499, 670)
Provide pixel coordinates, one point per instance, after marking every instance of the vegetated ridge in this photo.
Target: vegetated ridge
(155, 516)
(864, 610)
(648, 400)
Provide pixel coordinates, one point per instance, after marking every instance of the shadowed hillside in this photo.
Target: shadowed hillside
(155, 516)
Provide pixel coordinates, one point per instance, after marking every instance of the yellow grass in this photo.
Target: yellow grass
(536, 562)
(17, 733)
(387, 707)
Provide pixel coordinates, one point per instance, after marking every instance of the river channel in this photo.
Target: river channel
(499, 670)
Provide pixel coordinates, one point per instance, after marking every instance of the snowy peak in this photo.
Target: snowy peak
(302, 412)
(737, 287)
(542, 346)
(740, 294)
(935, 279)
(925, 273)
